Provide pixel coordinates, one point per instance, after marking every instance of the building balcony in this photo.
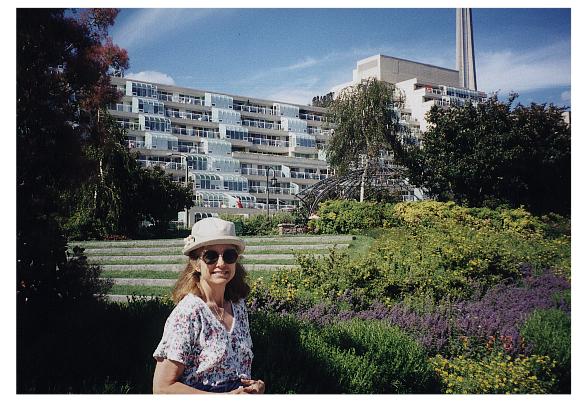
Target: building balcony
(185, 115)
(254, 109)
(260, 172)
(135, 144)
(304, 150)
(125, 108)
(312, 117)
(261, 124)
(269, 142)
(308, 176)
(130, 126)
(273, 191)
(199, 132)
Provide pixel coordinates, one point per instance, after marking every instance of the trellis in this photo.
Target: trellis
(382, 180)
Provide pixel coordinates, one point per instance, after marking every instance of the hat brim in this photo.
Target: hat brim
(223, 240)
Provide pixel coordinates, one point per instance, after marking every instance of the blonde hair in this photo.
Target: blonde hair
(189, 282)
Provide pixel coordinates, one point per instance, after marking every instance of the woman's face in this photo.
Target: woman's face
(217, 263)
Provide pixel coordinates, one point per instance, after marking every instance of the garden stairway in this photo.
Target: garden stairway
(151, 267)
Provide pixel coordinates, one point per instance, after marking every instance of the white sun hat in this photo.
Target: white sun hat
(212, 231)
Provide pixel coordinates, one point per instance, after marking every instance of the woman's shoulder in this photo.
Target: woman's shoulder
(241, 305)
(190, 304)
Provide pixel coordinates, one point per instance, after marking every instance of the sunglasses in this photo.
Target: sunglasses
(229, 256)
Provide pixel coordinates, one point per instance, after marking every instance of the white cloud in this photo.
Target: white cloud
(541, 68)
(146, 25)
(152, 76)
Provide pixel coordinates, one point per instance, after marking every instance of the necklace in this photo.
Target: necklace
(219, 315)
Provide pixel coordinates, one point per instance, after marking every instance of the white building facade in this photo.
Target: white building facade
(230, 147)
(422, 85)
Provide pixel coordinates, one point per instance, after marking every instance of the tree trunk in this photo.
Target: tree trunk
(363, 179)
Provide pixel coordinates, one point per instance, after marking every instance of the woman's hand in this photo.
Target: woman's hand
(252, 386)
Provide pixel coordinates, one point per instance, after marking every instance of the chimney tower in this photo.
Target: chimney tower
(464, 47)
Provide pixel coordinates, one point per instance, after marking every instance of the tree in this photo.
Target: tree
(367, 122)
(62, 76)
(118, 194)
(494, 153)
(323, 101)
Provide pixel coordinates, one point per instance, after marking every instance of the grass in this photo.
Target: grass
(269, 261)
(250, 241)
(105, 262)
(362, 243)
(178, 252)
(151, 274)
(140, 290)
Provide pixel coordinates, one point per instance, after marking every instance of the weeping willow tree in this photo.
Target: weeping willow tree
(367, 122)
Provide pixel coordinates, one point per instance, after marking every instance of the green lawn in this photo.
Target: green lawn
(151, 274)
(140, 290)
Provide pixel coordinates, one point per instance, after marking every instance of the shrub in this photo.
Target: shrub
(496, 373)
(433, 213)
(259, 224)
(116, 341)
(548, 332)
(501, 312)
(347, 357)
(349, 216)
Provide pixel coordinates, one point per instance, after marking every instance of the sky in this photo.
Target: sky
(294, 54)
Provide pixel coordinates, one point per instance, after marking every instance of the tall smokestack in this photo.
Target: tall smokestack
(464, 48)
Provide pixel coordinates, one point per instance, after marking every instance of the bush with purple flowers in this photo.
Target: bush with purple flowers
(463, 285)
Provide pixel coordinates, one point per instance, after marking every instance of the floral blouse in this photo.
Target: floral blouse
(211, 355)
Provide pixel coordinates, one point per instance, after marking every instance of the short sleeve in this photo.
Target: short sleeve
(178, 335)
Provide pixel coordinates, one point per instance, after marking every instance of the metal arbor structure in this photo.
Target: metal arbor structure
(382, 181)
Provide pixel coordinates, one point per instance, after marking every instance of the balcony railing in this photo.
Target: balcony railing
(186, 149)
(308, 176)
(261, 124)
(130, 125)
(186, 115)
(186, 100)
(260, 172)
(268, 142)
(253, 109)
(274, 190)
(200, 132)
(135, 144)
(312, 117)
(318, 131)
(121, 107)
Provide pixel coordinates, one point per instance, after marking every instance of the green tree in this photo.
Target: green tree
(62, 72)
(119, 195)
(367, 122)
(494, 153)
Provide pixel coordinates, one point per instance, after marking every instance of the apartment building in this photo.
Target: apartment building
(422, 86)
(238, 154)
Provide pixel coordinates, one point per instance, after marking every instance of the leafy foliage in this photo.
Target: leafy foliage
(497, 373)
(347, 357)
(62, 75)
(366, 121)
(350, 216)
(496, 153)
(548, 332)
(259, 224)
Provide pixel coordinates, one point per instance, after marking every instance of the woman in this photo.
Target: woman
(206, 344)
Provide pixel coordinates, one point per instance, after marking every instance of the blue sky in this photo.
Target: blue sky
(293, 54)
